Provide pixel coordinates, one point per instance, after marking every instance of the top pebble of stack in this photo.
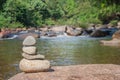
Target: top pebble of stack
(29, 41)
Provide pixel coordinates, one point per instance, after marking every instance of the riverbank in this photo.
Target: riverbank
(75, 72)
(54, 31)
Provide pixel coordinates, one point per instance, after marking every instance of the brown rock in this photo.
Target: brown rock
(76, 72)
(29, 50)
(33, 57)
(115, 40)
(118, 23)
(116, 35)
(1, 35)
(73, 31)
(44, 29)
(23, 36)
(34, 65)
(58, 28)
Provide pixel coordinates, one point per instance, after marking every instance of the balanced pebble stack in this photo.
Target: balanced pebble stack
(32, 62)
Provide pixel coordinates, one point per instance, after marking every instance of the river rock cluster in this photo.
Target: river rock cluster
(32, 62)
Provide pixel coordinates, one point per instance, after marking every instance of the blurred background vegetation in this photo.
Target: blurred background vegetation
(39, 13)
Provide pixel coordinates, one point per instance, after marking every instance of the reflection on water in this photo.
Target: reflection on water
(60, 51)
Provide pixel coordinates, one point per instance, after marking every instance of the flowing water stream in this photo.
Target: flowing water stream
(60, 51)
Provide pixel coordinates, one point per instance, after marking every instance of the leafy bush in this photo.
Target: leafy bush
(114, 22)
(16, 25)
(4, 22)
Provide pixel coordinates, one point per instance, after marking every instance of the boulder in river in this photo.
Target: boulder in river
(99, 33)
(74, 31)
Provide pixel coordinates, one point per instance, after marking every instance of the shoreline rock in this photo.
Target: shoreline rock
(75, 72)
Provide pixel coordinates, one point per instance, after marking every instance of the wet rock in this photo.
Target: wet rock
(51, 34)
(5, 33)
(29, 41)
(42, 33)
(29, 50)
(34, 65)
(99, 33)
(33, 57)
(74, 31)
(23, 36)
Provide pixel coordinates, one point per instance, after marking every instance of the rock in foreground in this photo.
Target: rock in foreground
(77, 72)
(34, 65)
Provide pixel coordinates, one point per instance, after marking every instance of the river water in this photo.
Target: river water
(59, 51)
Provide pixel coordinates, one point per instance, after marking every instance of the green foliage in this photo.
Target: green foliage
(4, 21)
(15, 25)
(27, 12)
(16, 13)
(114, 22)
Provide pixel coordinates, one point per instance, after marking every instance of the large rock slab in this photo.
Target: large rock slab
(76, 72)
(29, 50)
(29, 41)
(33, 57)
(34, 65)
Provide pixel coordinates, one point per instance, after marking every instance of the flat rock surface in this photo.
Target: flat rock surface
(75, 72)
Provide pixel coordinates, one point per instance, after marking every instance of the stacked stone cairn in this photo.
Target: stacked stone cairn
(32, 62)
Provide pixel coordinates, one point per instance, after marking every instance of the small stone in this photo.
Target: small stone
(34, 65)
(33, 57)
(29, 50)
(29, 41)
